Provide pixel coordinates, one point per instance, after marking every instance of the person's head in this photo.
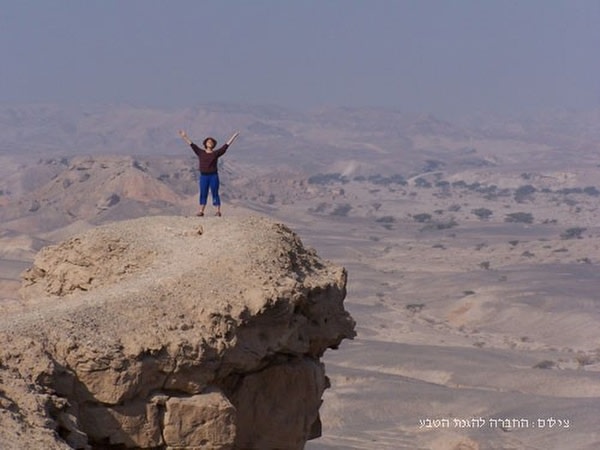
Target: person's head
(209, 143)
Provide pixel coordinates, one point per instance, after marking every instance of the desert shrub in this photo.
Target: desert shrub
(321, 207)
(572, 233)
(446, 225)
(476, 162)
(469, 292)
(415, 307)
(482, 213)
(422, 183)
(514, 242)
(454, 208)
(398, 179)
(485, 265)
(139, 166)
(546, 364)
(327, 178)
(422, 218)
(432, 165)
(440, 225)
(519, 217)
(385, 181)
(527, 254)
(584, 359)
(341, 210)
(591, 190)
(378, 179)
(385, 219)
(490, 191)
(567, 191)
(524, 192)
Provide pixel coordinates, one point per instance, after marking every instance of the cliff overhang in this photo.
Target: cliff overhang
(167, 332)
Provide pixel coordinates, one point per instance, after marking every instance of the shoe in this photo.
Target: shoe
(218, 214)
(200, 214)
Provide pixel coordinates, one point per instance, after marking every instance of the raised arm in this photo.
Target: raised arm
(233, 138)
(185, 137)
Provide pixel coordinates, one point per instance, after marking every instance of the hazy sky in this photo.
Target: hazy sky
(438, 56)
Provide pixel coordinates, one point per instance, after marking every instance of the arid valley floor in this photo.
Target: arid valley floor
(472, 251)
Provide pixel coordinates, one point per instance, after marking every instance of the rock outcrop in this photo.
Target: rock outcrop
(168, 332)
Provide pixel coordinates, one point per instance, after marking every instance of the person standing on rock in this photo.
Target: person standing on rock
(208, 158)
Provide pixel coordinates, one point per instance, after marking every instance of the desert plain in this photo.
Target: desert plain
(472, 249)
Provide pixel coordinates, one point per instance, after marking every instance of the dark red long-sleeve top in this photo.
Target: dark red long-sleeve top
(207, 161)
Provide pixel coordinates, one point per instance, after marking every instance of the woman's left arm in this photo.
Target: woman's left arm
(233, 138)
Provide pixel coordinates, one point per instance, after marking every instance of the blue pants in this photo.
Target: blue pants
(206, 182)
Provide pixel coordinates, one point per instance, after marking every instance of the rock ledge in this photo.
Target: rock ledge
(168, 332)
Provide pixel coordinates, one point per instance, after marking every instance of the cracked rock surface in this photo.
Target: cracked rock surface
(170, 332)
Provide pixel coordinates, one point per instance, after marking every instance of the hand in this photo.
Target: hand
(185, 137)
(233, 138)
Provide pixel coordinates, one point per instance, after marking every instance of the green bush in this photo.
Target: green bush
(422, 218)
(524, 193)
(327, 178)
(572, 233)
(434, 226)
(415, 307)
(483, 213)
(591, 190)
(341, 210)
(422, 183)
(519, 217)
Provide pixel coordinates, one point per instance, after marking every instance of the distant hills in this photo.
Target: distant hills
(274, 135)
(59, 165)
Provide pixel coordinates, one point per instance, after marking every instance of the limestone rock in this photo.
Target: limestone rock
(207, 420)
(159, 332)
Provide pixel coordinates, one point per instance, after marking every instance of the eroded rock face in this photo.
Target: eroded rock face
(166, 332)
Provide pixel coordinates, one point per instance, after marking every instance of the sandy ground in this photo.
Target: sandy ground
(481, 336)
(451, 355)
(465, 340)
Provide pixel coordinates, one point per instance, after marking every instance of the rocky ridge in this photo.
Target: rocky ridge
(166, 332)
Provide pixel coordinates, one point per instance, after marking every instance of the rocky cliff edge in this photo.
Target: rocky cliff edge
(172, 333)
